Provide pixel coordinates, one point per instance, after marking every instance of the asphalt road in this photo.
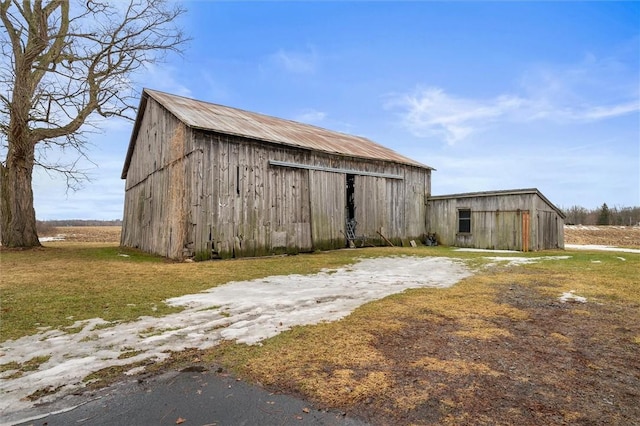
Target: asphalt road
(187, 398)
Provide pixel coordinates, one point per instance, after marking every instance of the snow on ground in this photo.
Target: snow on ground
(566, 246)
(596, 227)
(600, 248)
(58, 237)
(570, 296)
(510, 261)
(246, 311)
(477, 250)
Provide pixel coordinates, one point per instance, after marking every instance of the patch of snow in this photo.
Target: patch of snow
(596, 261)
(134, 371)
(621, 258)
(59, 237)
(596, 247)
(594, 227)
(521, 260)
(246, 311)
(582, 227)
(571, 297)
(123, 255)
(486, 250)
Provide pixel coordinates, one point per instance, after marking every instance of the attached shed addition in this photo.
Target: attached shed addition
(521, 219)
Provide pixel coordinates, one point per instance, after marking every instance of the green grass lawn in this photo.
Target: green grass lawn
(65, 282)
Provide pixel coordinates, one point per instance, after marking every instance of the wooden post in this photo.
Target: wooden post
(385, 238)
(525, 231)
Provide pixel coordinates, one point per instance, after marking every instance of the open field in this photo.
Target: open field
(499, 347)
(621, 236)
(100, 234)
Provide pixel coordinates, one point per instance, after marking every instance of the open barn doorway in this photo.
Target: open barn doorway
(350, 208)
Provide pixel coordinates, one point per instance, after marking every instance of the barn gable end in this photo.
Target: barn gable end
(158, 179)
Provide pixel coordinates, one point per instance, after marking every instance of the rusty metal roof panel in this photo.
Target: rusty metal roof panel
(223, 119)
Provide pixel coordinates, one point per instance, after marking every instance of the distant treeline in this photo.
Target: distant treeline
(604, 215)
(79, 222)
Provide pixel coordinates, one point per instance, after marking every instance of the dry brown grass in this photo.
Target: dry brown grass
(617, 236)
(93, 234)
(498, 348)
(339, 363)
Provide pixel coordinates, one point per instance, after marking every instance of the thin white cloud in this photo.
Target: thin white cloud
(297, 62)
(311, 116)
(587, 175)
(603, 112)
(432, 112)
(164, 78)
(590, 91)
(214, 89)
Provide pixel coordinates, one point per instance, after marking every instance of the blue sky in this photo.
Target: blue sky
(494, 95)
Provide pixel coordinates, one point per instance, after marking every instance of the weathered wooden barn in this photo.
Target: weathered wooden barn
(521, 219)
(205, 180)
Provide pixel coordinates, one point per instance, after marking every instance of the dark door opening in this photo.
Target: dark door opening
(351, 198)
(350, 207)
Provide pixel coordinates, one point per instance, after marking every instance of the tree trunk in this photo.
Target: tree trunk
(18, 217)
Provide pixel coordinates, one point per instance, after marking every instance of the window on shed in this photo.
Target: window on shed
(464, 221)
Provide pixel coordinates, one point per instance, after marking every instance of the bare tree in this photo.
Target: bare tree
(576, 215)
(62, 64)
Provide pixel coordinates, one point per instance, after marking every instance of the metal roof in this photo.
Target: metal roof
(223, 119)
(503, 192)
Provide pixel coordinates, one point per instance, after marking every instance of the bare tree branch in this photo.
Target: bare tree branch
(61, 64)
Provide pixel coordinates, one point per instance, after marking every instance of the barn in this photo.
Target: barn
(521, 219)
(205, 180)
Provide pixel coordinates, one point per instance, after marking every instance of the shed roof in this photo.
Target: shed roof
(232, 121)
(504, 192)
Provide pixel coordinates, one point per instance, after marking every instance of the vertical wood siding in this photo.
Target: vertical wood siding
(549, 226)
(497, 222)
(417, 189)
(373, 205)
(156, 211)
(327, 203)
